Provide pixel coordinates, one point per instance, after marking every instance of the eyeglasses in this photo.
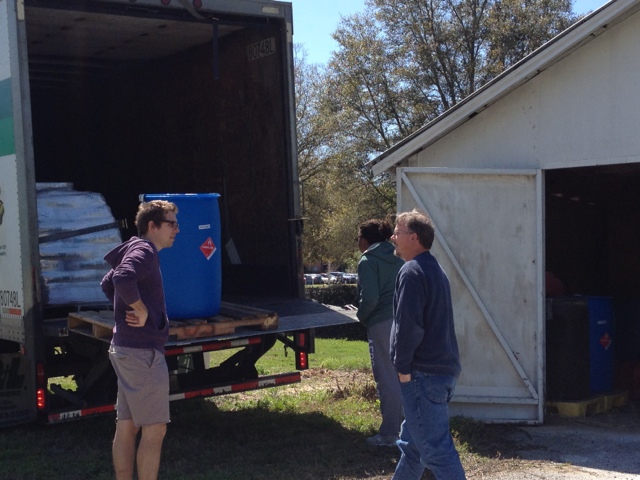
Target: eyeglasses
(175, 225)
(398, 232)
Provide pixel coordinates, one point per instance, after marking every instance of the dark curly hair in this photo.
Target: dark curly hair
(374, 231)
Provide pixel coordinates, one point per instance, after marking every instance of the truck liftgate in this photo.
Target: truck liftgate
(191, 375)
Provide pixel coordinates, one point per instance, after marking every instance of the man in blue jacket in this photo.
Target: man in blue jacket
(424, 351)
(134, 285)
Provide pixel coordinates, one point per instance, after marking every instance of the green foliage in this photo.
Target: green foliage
(399, 65)
(337, 295)
(338, 191)
(517, 28)
(452, 48)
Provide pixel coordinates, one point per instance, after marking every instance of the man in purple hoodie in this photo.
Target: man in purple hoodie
(134, 285)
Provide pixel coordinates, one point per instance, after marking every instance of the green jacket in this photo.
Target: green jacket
(377, 271)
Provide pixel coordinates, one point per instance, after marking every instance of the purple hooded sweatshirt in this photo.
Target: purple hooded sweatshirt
(135, 274)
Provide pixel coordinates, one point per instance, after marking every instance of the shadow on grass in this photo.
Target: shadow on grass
(486, 440)
(206, 443)
(73, 451)
(203, 442)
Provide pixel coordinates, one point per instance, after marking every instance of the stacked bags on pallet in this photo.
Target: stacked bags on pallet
(72, 267)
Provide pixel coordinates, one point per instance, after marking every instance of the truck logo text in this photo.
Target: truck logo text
(9, 298)
(261, 49)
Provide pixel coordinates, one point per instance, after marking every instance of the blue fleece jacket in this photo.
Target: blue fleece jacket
(423, 337)
(377, 270)
(135, 274)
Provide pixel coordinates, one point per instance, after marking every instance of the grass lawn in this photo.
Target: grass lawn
(313, 430)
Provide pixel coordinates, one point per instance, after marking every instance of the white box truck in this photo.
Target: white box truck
(127, 97)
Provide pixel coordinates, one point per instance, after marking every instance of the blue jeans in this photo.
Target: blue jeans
(425, 438)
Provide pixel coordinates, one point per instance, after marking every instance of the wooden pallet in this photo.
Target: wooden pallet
(92, 324)
(590, 406)
(232, 316)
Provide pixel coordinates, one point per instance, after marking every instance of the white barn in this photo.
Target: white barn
(537, 171)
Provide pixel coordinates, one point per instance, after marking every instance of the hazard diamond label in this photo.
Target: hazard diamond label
(605, 341)
(208, 248)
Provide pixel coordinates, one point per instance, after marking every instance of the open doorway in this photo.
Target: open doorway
(592, 240)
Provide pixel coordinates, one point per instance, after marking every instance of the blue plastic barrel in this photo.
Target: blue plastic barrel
(601, 349)
(191, 269)
(580, 334)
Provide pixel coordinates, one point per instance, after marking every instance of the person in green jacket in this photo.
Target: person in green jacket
(377, 271)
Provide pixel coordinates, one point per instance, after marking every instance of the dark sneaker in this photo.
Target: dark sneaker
(382, 440)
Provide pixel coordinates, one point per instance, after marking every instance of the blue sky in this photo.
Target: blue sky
(315, 20)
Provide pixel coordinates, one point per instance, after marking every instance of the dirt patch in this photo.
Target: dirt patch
(320, 378)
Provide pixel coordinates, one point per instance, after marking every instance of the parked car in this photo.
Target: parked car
(335, 277)
(350, 278)
(312, 279)
(324, 279)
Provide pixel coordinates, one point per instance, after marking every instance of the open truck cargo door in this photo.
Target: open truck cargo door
(114, 99)
(18, 348)
(489, 241)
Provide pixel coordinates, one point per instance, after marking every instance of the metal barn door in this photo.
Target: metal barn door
(489, 240)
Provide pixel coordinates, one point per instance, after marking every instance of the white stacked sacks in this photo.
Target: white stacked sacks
(73, 267)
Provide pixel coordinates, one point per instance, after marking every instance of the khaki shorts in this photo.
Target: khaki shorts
(143, 385)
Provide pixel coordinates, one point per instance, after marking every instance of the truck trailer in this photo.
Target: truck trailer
(125, 98)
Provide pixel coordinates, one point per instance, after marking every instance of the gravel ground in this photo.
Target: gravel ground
(603, 446)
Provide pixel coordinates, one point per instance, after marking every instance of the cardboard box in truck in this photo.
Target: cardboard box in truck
(123, 98)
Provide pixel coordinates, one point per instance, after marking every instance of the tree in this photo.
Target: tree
(371, 102)
(337, 191)
(440, 43)
(399, 64)
(311, 130)
(518, 27)
(453, 47)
